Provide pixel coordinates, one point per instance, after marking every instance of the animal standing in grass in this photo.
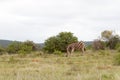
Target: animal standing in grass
(75, 46)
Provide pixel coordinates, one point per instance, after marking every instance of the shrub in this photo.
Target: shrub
(20, 47)
(118, 47)
(113, 42)
(14, 47)
(30, 44)
(2, 50)
(59, 42)
(50, 44)
(22, 53)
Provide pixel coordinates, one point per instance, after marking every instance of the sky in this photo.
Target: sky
(37, 20)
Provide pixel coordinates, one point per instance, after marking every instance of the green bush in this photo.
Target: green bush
(14, 47)
(30, 44)
(118, 47)
(59, 42)
(2, 50)
(22, 53)
(20, 47)
(113, 42)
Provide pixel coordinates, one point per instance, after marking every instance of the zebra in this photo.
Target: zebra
(75, 46)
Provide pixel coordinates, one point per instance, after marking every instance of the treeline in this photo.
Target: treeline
(57, 44)
(17, 47)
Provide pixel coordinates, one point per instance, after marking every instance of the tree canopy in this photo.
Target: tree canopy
(59, 42)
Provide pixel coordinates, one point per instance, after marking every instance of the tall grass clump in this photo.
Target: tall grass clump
(118, 47)
(57, 52)
(117, 59)
(104, 52)
(12, 59)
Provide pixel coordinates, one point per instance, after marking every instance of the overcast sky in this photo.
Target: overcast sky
(37, 20)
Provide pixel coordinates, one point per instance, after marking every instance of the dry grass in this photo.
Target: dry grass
(91, 66)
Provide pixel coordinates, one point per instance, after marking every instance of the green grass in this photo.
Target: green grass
(91, 66)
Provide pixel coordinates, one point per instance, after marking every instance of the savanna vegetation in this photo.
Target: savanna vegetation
(27, 61)
(59, 42)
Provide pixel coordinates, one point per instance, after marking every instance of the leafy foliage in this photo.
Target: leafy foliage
(106, 35)
(14, 47)
(113, 42)
(59, 42)
(51, 44)
(2, 50)
(118, 47)
(32, 44)
(21, 47)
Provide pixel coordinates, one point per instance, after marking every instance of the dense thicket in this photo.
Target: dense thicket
(110, 39)
(107, 40)
(21, 47)
(59, 42)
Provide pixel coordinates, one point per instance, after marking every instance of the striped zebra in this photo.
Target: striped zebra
(75, 46)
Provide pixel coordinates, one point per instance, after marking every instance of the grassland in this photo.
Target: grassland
(91, 66)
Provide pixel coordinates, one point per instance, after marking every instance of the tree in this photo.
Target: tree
(106, 35)
(30, 43)
(2, 50)
(110, 39)
(59, 42)
(51, 44)
(65, 38)
(114, 41)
